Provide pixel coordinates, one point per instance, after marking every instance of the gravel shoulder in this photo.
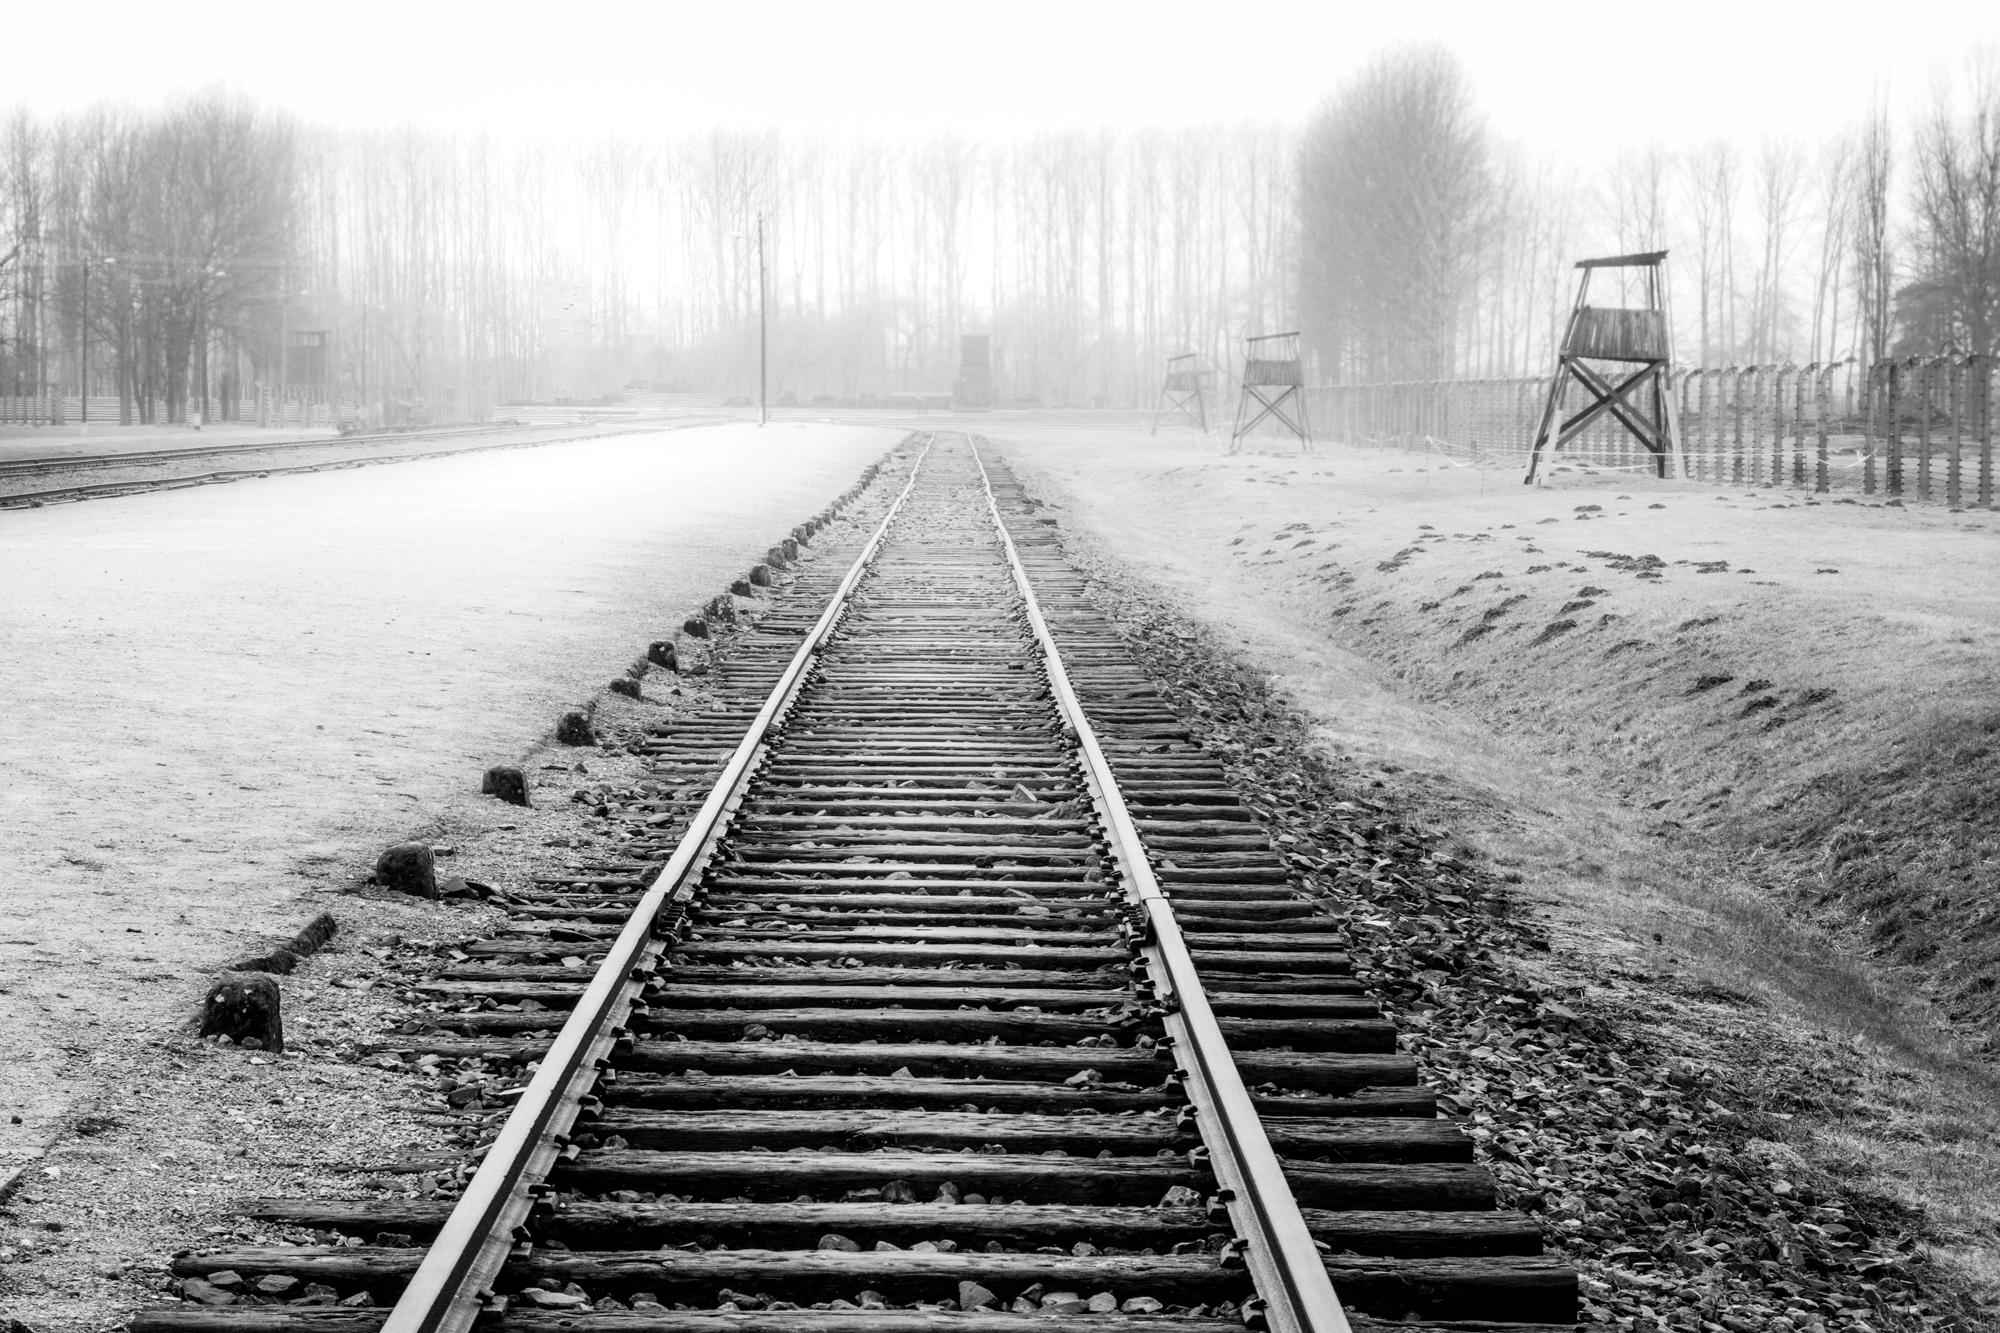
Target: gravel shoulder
(226, 701)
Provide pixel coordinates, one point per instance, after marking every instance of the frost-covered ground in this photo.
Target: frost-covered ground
(110, 438)
(1735, 744)
(221, 702)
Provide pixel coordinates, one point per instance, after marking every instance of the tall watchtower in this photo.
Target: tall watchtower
(1274, 380)
(1180, 393)
(1637, 343)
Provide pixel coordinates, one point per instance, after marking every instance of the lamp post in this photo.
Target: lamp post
(763, 332)
(365, 309)
(763, 326)
(83, 392)
(284, 349)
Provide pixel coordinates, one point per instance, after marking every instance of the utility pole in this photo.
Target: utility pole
(284, 344)
(763, 332)
(83, 394)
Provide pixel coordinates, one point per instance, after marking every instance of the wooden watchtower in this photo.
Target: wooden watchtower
(1637, 337)
(1274, 380)
(1180, 393)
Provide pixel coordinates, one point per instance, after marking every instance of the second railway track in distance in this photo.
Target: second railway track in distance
(961, 993)
(137, 459)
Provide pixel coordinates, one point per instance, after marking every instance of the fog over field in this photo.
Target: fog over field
(440, 237)
(1206, 791)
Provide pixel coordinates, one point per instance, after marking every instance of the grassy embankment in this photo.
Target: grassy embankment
(1725, 734)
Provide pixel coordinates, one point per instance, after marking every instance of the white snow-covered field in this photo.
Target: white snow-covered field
(216, 698)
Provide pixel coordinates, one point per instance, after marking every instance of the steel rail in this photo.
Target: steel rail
(1273, 1239)
(452, 1287)
(26, 467)
(22, 467)
(189, 480)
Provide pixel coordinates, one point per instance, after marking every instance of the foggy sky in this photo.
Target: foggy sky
(1674, 73)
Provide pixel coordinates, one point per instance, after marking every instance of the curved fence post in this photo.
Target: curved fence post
(1955, 404)
(1781, 422)
(1875, 401)
(1696, 420)
(1736, 414)
(1810, 372)
(1750, 416)
(1718, 433)
(1774, 416)
(1824, 391)
(1982, 395)
(1926, 378)
(1899, 389)
(1683, 387)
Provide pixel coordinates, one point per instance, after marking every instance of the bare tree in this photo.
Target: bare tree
(1836, 212)
(1712, 176)
(1395, 200)
(1957, 199)
(1780, 185)
(1874, 263)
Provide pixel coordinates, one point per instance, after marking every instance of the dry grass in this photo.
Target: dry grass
(1777, 785)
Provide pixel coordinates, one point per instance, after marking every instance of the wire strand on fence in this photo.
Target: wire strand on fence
(1770, 425)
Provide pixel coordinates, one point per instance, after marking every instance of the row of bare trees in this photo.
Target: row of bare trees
(139, 247)
(179, 258)
(1087, 257)
(194, 253)
(1427, 250)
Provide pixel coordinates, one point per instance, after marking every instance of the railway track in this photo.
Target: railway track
(946, 985)
(153, 458)
(33, 467)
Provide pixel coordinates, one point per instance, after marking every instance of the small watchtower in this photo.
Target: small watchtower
(1180, 393)
(1637, 337)
(1274, 380)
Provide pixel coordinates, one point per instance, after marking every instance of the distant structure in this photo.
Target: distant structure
(1638, 337)
(1273, 379)
(1180, 393)
(974, 390)
(306, 362)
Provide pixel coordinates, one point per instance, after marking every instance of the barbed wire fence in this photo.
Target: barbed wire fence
(1920, 427)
